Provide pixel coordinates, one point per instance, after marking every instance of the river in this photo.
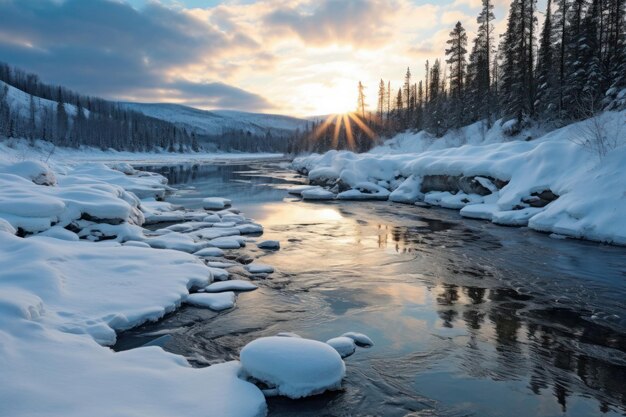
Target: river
(468, 318)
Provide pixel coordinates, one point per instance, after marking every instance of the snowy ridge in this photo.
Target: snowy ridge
(552, 183)
(216, 122)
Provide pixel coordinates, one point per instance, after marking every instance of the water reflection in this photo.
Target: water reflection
(468, 318)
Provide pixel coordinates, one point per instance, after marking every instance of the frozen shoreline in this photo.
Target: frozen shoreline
(550, 183)
(77, 266)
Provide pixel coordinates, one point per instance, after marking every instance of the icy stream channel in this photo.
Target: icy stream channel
(468, 318)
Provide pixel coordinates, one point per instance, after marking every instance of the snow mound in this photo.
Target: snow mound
(233, 285)
(256, 268)
(343, 345)
(216, 301)
(216, 203)
(269, 244)
(210, 252)
(317, 193)
(360, 339)
(295, 367)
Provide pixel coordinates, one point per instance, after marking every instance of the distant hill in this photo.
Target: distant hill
(218, 122)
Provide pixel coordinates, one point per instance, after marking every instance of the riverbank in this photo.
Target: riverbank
(568, 182)
(78, 267)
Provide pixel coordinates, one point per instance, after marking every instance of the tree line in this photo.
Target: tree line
(571, 69)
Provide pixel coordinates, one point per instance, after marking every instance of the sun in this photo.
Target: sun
(334, 97)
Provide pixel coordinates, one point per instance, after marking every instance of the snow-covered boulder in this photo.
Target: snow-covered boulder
(34, 171)
(214, 301)
(360, 339)
(269, 244)
(257, 268)
(210, 252)
(216, 203)
(365, 191)
(293, 367)
(343, 345)
(317, 193)
(232, 285)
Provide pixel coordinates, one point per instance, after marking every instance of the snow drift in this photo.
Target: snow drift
(552, 183)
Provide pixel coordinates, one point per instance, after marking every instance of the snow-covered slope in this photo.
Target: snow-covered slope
(556, 182)
(216, 122)
(19, 102)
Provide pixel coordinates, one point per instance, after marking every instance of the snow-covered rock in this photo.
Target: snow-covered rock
(269, 244)
(210, 252)
(345, 346)
(256, 268)
(294, 367)
(216, 203)
(232, 285)
(317, 193)
(360, 339)
(215, 301)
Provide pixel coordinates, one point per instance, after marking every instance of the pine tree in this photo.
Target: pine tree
(547, 89)
(381, 100)
(361, 100)
(457, 61)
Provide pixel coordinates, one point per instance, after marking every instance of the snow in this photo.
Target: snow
(62, 297)
(233, 285)
(216, 301)
(343, 345)
(317, 193)
(269, 244)
(591, 191)
(360, 339)
(215, 203)
(256, 268)
(365, 191)
(216, 122)
(210, 252)
(298, 189)
(294, 367)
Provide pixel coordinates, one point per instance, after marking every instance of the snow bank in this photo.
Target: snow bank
(62, 297)
(550, 183)
(292, 366)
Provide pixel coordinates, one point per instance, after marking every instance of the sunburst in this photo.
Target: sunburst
(343, 121)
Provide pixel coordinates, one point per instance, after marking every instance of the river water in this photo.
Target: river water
(468, 318)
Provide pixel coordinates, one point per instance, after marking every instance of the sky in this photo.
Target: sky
(296, 57)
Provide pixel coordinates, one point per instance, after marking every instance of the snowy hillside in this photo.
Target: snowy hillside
(568, 182)
(19, 102)
(216, 122)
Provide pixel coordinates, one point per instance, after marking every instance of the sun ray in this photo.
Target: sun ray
(322, 128)
(337, 131)
(349, 136)
(369, 132)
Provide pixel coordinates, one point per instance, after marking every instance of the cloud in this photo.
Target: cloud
(111, 49)
(218, 95)
(361, 23)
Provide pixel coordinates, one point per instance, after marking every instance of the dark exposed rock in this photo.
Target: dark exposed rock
(90, 218)
(453, 184)
(440, 183)
(541, 199)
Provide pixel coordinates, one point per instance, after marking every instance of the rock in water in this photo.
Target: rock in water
(269, 244)
(295, 367)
